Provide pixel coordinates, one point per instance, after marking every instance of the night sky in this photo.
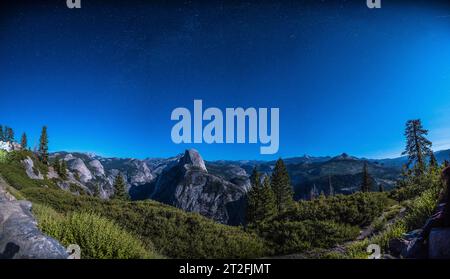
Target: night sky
(105, 78)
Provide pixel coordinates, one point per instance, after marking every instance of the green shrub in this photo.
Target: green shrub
(3, 156)
(413, 186)
(98, 237)
(298, 236)
(356, 209)
(421, 208)
(174, 233)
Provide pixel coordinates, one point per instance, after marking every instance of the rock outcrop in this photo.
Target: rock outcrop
(79, 167)
(189, 186)
(31, 171)
(97, 167)
(430, 241)
(20, 237)
(192, 159)
(9, 146)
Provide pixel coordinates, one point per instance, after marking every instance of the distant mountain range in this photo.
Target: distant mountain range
(216, 189)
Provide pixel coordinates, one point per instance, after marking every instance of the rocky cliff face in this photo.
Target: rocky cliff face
(93, 173)
(19, 236)
(189, 186)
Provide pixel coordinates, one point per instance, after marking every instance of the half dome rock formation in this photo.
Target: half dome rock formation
(193, 159)
(189, 186)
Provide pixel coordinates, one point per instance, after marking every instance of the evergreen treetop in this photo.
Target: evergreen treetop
(120, 191)
(417, 145)
(366, 185)
(43, 146)
(261, 205)
(281, 186)
(9, 134)
(24, 141)
(433, 161)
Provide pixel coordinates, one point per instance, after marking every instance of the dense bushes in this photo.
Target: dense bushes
(173, 232)
(3, 156)
(413, 186)
(356, 209)
(322, 222)
(422, 207)
(298, 236)
(98, 237)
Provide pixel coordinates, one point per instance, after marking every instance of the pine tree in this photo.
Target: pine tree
(366, 185)
(9, 134)
(62, 169)
(120, 191)
(24, 141)
(56, 165)
(2, 134)
(253, 197)
(260, 200)
(433, 162)
(281, 186)
(268, 207)
(417, 145)
(330, 187)
(43, 146)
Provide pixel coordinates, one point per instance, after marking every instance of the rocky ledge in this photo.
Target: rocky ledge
(20, 237)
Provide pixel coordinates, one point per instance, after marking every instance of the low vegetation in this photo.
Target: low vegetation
(98, 237)
(358, 209)
(172, 232)
(419, 196)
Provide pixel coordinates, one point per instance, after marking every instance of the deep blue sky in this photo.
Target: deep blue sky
(106, 78)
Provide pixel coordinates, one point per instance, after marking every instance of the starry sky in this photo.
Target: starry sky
(105, 78)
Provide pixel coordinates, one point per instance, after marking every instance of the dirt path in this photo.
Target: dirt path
(341, 248)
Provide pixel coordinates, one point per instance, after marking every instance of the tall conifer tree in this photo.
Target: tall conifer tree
(268, 205)
(433, 162)
(281, 186)
(9, 134)
(366, 185)
(120, 191)
(43, 146)
(24, 141)
(417, 145)
(253, 197)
